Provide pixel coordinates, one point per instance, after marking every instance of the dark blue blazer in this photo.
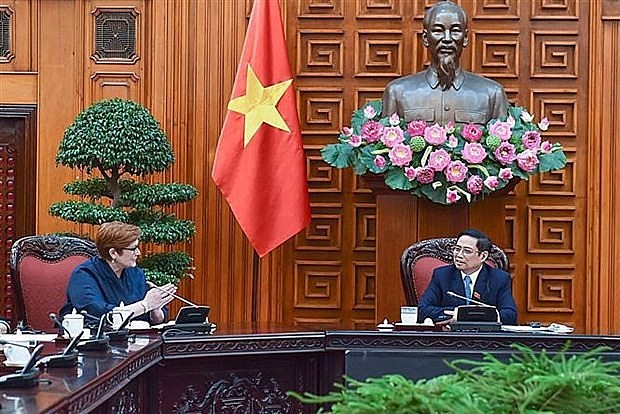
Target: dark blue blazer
(493, 287)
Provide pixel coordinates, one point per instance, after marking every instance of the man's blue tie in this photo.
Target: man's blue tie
(467, 280)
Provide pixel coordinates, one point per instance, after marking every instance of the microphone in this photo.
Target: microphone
(99, 342)
(89, 316)
(122, 333)
(58, 324)
(455, 295)
(68, 357)
(153, 285)
(27, 376)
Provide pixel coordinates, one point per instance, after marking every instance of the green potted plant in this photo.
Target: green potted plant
(118, 144)
(530, 382)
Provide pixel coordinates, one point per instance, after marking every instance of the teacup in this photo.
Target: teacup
(73, 324)
(409, 315)
(118, 315)
(16, 355)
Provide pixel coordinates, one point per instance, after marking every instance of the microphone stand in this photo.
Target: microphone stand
(122, 333)
(67, 358)
(61, 329)
(99, 342)
(187, 302)
(475, 318)
(27, 377)
(455, 295)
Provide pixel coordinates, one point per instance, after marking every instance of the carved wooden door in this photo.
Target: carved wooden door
(17, 189)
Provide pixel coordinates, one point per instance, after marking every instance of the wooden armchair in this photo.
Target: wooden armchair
(41, 267)
(420, 259)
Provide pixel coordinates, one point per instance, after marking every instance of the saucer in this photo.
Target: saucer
(14, 364)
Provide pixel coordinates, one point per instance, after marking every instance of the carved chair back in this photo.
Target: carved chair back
(41, 267)
(421, 258)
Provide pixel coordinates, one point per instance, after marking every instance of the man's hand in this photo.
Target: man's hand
(447, 321)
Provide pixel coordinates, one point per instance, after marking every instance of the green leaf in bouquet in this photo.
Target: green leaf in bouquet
(555, 160)
(338, 155)
(518, 172)
(359, 168)
(395, 179)
(492, 168)
(367, 157)
(515, 112)
(358, 118)
(436, 195)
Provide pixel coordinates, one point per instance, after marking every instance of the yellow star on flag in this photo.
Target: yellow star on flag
(259, 105)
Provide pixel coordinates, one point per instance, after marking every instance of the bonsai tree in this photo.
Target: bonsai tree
(117, 144)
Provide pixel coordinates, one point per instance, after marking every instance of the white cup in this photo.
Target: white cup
(73, 323)
(16, 355)
(409, 315)
(118, 315)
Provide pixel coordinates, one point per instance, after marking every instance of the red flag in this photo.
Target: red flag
(260, 165)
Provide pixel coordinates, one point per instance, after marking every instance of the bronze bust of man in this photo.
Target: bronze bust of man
(444, 92)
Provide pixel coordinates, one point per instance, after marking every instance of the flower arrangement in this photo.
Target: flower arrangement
(448, 163)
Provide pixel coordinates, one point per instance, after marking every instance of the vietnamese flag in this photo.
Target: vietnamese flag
(260, 165)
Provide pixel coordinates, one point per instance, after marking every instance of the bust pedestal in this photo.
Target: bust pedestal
(403, 219)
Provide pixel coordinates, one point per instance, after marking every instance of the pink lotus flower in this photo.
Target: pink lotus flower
(453, 141)
(425, 175)
(435, 135)
(531, 140)
(394, 119)
(369, 112)
(511, 121)
(372, 131)
(505, 153)
(400, 155)
(526, 116)
(546, 147)
(503, 130)
(543, 124)
(416, 128)
(392, 136)
(527, 160)
(452, 196)
(450, 127)
(474, 184)
(347, 132)
(355, 141)
(491, 182)
(474, 153)
(472, 132)
(438, 159)
(380, 161)
(505, 174)
(456, 172)
(411, 173)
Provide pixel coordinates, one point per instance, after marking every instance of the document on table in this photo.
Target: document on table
(28, 337)
(554, 328)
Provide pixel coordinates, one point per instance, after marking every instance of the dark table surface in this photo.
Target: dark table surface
(61, 385)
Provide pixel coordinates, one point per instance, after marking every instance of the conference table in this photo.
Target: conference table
(246, 369)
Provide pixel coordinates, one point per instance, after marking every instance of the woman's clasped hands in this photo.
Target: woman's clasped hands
(158, 297)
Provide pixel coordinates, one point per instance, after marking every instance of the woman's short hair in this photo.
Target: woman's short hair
(115, 235)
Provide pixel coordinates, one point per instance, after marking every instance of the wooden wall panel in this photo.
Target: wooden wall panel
(603, 289)
(525, 46)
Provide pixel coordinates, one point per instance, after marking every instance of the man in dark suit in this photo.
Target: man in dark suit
(445, 92)
(471, 277)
